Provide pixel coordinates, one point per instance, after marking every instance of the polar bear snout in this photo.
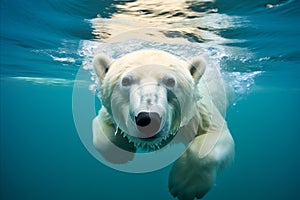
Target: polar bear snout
(148, 123)
(148, 110)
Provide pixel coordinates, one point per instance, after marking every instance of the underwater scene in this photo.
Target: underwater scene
(49, 94)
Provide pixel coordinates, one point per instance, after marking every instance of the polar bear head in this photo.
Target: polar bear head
(149, 94)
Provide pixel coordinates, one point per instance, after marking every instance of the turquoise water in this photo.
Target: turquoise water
(44, 44)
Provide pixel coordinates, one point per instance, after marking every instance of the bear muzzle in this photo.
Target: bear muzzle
(148, 123)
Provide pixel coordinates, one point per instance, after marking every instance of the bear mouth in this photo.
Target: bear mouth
(154, 142)
(150, 144)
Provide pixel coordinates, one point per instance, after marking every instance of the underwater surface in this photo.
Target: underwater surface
(256, 45)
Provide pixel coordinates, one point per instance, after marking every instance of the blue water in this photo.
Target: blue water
(44, 44)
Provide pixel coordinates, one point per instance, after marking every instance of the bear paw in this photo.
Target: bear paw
(190, 178)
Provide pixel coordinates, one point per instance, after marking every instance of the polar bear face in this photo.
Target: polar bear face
(150, 107)
(149, 94)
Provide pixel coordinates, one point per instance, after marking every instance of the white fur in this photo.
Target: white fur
(201, 122)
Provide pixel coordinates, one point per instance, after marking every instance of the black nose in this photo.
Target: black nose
(148, 123)
(143, 119)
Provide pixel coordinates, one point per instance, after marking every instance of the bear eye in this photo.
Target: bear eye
(169, 82)
(126, 81)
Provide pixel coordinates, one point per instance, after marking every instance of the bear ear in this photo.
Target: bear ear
(101, 65)
(197, 68)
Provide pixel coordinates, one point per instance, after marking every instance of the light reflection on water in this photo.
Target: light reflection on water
(184, 28)
(161, 21)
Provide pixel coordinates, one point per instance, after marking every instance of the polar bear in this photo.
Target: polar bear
(150, 96)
